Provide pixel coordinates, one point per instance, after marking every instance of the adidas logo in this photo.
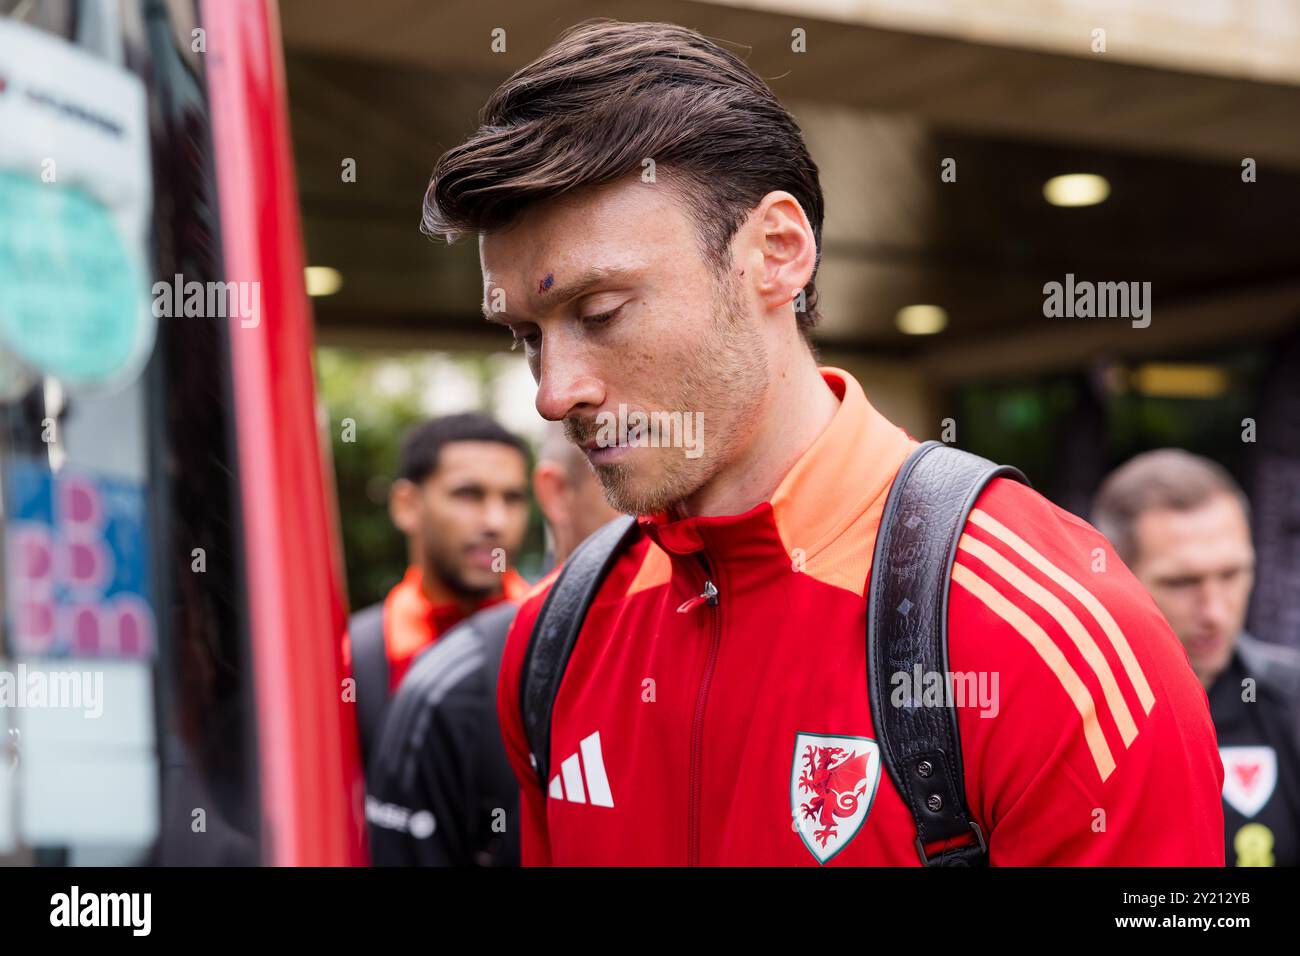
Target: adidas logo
(583, 781)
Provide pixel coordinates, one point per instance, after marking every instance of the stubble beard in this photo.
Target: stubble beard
(442, 560)
(726, 379)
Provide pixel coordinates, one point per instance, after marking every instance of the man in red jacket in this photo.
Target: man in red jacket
(649, 222)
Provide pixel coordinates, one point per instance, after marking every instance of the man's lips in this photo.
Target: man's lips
(600, 454)
(1203, 643)
(603, 455)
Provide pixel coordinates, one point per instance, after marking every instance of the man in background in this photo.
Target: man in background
(1182, 525)
(441, 790)
(460, 499)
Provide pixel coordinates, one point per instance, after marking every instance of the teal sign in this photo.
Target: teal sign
(73, 294)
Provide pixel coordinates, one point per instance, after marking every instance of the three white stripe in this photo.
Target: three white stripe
(569, 785)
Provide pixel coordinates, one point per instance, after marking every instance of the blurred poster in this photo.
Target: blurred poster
(75, 198)
(77, 567)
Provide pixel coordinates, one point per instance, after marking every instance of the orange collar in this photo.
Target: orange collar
(842, 473)
(413, 619)
(848, 467)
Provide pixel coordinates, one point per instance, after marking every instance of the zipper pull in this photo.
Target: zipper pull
(710, 595)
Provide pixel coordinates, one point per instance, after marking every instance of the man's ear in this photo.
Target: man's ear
(550, 489)
(784, 249)
(404, 506)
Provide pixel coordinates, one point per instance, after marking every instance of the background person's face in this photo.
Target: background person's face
(570, 498)
(587, 503)
(474, 503)
(1199, 567)
(680, 340)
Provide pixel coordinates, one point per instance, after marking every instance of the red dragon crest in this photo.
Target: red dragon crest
(837, 779)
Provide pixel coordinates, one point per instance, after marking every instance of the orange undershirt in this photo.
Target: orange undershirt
(413, 619)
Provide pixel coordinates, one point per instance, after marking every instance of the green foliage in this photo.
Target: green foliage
(374, 552)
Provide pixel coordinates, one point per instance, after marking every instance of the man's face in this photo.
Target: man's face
(1199, 566)
(616, 306)
(473, 504)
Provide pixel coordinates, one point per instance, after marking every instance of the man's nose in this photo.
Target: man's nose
(495, 515)
(1214, 604)
(565, 383)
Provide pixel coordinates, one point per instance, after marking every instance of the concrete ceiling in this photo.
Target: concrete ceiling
(392, 83)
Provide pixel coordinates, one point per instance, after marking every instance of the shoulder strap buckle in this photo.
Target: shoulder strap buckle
(971, 854)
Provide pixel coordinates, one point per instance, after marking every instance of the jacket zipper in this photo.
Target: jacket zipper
(709, 596)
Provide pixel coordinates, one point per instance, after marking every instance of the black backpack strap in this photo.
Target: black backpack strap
(370, 671)
(907, 627)
(556, 632)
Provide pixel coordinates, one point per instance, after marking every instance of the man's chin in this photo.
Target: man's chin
(478, 586)
(1212, 657)
(632, 493)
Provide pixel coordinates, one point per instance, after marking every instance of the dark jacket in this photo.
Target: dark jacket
(1255, 704)
(440, 790)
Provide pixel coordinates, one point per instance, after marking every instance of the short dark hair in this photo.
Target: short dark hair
(422, 444)
(1164, 479)
(608, 95)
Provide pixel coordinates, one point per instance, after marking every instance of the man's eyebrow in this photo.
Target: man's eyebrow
(558, 294)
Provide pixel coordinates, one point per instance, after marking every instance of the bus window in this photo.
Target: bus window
(127, 730)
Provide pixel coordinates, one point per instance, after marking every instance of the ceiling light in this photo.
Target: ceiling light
(1168, 380)
(921, 319)
(1076, 189)
(322, 280)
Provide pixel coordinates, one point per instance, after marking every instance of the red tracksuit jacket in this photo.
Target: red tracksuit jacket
(740, 733)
